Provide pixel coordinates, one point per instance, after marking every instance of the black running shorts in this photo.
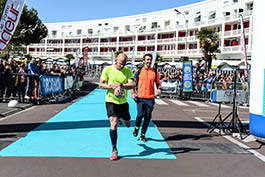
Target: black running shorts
(118, 110)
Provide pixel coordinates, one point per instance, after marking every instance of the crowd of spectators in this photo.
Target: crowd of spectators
(18, 77)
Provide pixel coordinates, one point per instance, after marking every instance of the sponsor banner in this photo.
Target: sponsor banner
(227, 96)
(9, 20)
(187, 76)
(68, 82)
(51, 84)
(85, 55)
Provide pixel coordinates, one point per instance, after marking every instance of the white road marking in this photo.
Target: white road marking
(177, 102)
(229, 138)
(160, 102)
(198, 103)
(222, 105)
(4, 118)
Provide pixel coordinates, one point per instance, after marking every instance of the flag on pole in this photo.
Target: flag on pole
(243, 45)
(9, 20)
(154, 59)
(77, 52)
(133, 59)
(112, 57)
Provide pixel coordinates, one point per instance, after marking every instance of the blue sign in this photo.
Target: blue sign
(51, 84)
(187, 76)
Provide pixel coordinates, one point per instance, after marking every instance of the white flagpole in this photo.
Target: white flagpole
(112, 57)
(243, 46)
(154, 59)
(133, 59)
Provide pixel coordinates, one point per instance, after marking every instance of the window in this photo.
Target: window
(235, 1)
(197, 17)
(144, 20)
(226, 14)
(70, 33)
(54, 32)
(106, 24)
(127, 27)
(154, 25)
(79, 31)
(186, 12)
(212, 15)
(115, 29)
(90, 31)
(167, 23)
(99, 24)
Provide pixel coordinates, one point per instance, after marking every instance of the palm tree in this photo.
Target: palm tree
(69, 57)
(209, 45)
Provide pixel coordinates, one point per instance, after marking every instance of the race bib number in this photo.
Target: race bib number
(121, 93)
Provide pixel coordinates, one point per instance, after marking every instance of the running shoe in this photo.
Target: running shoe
(114, 155)
(135, 131)
(142, 138)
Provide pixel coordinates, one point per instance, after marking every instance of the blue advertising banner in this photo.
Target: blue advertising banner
(187, 76)
(51, 84)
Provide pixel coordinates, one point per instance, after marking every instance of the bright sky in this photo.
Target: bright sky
(79, 10)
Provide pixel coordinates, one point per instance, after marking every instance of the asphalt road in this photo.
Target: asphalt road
(183, 126)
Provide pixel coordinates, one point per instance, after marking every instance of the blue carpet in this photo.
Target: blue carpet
(82, 130)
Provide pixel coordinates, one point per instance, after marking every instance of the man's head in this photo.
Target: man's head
(121, 61)
(147, 59)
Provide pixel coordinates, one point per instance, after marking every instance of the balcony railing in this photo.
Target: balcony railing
(166, 52)
(237, 48)
(126, 43)
(146, 42)
(168, 40)
(55, 44)
(192, 51)
(108, 43)
(90, 44)
(72, 44)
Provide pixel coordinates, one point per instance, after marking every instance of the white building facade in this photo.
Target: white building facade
(169, 33)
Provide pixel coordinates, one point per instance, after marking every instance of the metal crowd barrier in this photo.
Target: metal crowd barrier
(173, 89)
(39, 90)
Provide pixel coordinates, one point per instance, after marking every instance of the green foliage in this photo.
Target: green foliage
(117, 53)
(209, 44)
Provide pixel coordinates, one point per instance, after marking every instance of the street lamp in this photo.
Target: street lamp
(186, 29)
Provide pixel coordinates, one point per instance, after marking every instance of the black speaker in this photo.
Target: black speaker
(184, 58)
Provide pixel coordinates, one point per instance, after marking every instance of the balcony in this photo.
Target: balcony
(94, 44)
(192, 51)
(92, 53)
(55, 44)
(105, 53)
(33, 53)
(166, 52)
(126, 43)
(72, 44)
(233, 49)
(168, 40)
(192, 38)
(181, 39)
(37, 45)
(146, 42)
(108, 43)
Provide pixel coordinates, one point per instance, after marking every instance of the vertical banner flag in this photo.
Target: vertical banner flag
(112, 57)
(154, 59)
(243, 45)
(77, 57)
(187, 76)
(10, 17)
(85, 55)
(133, 59)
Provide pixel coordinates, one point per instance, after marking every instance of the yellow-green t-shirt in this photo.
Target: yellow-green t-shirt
(111, 75)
